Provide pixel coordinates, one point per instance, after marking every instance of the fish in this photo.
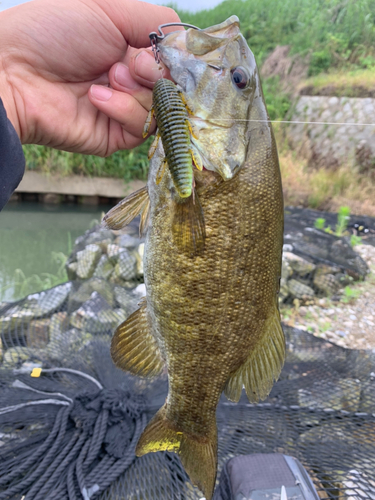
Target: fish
(209, 318)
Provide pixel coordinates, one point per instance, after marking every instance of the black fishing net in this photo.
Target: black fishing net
(70, 420)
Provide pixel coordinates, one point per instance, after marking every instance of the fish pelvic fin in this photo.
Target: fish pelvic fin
(128, 208)
(188, 227)
(134, 348)
(262, 367)
(198, 455)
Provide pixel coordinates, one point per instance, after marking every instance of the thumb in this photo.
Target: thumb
(136, 19)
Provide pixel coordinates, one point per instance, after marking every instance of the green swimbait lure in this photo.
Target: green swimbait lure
(172, 118)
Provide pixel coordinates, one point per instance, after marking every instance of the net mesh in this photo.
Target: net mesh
(70, 432)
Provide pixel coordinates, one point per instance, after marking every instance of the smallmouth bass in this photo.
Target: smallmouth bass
(211, 317)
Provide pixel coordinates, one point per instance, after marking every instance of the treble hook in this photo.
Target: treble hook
(155, 38)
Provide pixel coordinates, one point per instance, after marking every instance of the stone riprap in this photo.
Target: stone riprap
(348, 140)
(106, 282)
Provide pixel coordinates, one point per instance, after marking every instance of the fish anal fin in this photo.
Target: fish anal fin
(125, 211)
(189, 231)
(263, 365)
(198, 454)
(134, 348)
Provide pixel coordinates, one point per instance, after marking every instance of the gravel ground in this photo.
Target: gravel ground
(349, 322)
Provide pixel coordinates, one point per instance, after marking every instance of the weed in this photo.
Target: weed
(320, 223)
(355, 240)
(23, 286)
(343, 217)
(325, 326)
(350, 294)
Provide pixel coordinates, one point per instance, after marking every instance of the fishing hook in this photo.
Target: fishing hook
(155, 38)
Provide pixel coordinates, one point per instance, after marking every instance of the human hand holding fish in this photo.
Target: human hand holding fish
(212, 277)
(59, 64)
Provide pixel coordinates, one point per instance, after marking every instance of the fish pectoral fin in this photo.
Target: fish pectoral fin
(128, 208)
(198, 454)
(145, 218)
(262, 367)
(134, 349)
(189, 231)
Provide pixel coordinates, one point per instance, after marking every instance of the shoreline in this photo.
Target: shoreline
(55, 189)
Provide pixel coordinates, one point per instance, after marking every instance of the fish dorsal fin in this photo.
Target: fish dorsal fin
(230, 27)
(124, 212)
(263, 365)
(189, 232)
(200, 43)
(134, 348)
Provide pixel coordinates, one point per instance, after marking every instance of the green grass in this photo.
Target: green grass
(357, 82)
(128, 165)
(334, 32)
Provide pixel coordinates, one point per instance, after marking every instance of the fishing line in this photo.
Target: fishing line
(298, 122)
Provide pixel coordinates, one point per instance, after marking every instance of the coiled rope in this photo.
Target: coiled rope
(92, 442)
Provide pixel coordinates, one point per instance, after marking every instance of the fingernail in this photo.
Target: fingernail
(146, 67)
(101, 93)
(124, 78)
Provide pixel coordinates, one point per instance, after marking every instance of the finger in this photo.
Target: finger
(121, 107)
(121, 79)
(145, 70)
(136, 19)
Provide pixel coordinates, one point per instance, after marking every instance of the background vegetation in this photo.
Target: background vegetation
(338, 36)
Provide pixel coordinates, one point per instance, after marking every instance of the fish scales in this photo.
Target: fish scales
(171, 117)
(211, 317)
(210, 338)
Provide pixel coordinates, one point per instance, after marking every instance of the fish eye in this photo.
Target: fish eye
(239, 77)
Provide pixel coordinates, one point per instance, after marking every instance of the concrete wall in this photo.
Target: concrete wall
(331, 145)
(35, 182)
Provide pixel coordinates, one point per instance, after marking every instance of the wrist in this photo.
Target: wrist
(6, 95)
(6, 63)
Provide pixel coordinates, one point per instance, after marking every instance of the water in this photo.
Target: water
(34, 239)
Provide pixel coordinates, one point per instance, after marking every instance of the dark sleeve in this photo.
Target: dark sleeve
(12, 160)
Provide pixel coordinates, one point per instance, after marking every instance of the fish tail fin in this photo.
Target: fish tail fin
(199, 459)
(198, 455)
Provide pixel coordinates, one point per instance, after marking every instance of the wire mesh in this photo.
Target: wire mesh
(70, 432)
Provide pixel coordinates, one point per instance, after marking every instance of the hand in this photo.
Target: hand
(57, 60)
